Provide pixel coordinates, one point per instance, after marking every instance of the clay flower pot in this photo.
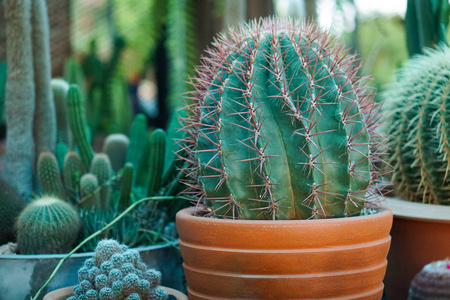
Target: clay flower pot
(341, 258)
(64, 293)
(420, 234)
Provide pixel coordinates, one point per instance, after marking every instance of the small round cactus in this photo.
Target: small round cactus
(54, 221)
(116, 272)
(433, 282)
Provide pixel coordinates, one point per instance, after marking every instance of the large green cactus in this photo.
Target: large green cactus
(282, 126)
(47, 225)
(63, 134)
(419, 128)
(49, 175)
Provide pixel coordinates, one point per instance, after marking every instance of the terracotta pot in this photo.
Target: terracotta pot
(341, 258)
(420, 235)
(64, 293)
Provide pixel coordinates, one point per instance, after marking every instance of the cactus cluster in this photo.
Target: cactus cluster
(433, 282)
(281, 126)
(116, 272)
(419, 128)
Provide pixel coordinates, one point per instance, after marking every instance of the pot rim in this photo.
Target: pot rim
(81, 255)
(421, 212)
(188, 213)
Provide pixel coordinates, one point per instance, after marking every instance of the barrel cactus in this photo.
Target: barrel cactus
(116, 272)
(433, 282)
(281, 126)
(419, 128)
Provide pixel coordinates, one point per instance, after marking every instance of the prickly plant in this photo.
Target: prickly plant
(432, 283)
(60, 88)
(19, 97)
(156, 160)
(49, 175)
(90, 197)
(78, 125)
(47, 225)
(44, 126)
(419, 128)
(281, 126)
(101, 168)
(72, 172)
(126, 186)
(115, 146)
(11, 204)
(116, 272)
(138, 142)
(60, 153)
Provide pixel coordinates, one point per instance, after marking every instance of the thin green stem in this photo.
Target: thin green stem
(86, 240)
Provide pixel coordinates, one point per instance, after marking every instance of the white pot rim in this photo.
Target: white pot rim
(423, 212)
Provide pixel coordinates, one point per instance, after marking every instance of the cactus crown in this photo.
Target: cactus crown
(419, 128)
(281, 125)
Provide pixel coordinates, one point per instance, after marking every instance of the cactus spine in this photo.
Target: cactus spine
(433, 282)
(44, 127)
(101, 168)
(157, 153)
(138, 142)
(73, 170)
(282, 127)
(126, 187)
(47, 225)
(115, 146)
(11, 205)
(90, 196)
(419, 128)
(19, 97)
(60, 88)
(78, 124)
(49, 175)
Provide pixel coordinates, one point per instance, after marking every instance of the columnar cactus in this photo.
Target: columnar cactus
(72, 172)
(419, 128)
(60, 88)
(433, 282)
(116, 146)
(126, 186)
(90, 197)
(138, 142)
(49, 175)
(117, 272)
(282, 126)
(47, 225)
(101, 168)
(156, 160)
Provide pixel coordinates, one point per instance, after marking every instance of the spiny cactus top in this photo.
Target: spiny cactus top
(116, 272)
(419, 128)
(281, 125)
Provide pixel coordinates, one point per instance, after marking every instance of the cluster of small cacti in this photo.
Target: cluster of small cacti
(432, 283)
(418, 108)
(116, 272)
(281, 126)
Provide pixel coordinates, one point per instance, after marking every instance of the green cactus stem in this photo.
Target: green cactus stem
(90, 195)
(60, 88)
(281, 126)
(138, 143)
(101, 168)
(73, 170)
(115, 146)
(54, 221)
(19, 97)
(11, 204)
(49, 175)
(156, 159)
(44, 127)
(126, 187)
(78, 125)
(61, 152)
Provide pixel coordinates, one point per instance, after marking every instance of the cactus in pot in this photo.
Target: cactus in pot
(432, 282)
(281, 126)
(419, 128)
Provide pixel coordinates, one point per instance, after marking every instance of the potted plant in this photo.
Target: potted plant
(282, 147)
(116, 272)
(49, 154)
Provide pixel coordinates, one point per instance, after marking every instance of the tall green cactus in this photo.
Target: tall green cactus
(156, 158)
(116, 146)
(126, 186)
(49, 175)
(282, 126)
(78, 124)
(72, 173)
(11, 205)
(101, 168)
(63, 134)
(90, 197)
(47, 225)
(138, 142)
(61, 152)
(419, 128)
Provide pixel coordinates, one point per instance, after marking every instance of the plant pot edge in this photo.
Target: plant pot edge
(420, 212)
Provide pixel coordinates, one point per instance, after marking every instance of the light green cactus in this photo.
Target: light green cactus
(49, 175)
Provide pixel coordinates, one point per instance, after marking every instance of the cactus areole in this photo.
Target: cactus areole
(281, 126)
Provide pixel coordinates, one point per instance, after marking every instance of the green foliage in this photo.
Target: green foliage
(101, 168)
(282, 127)
(419, 128)
(127, 280)
(47, 225)
(49, 175)
(156, 157)
(11, 204)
